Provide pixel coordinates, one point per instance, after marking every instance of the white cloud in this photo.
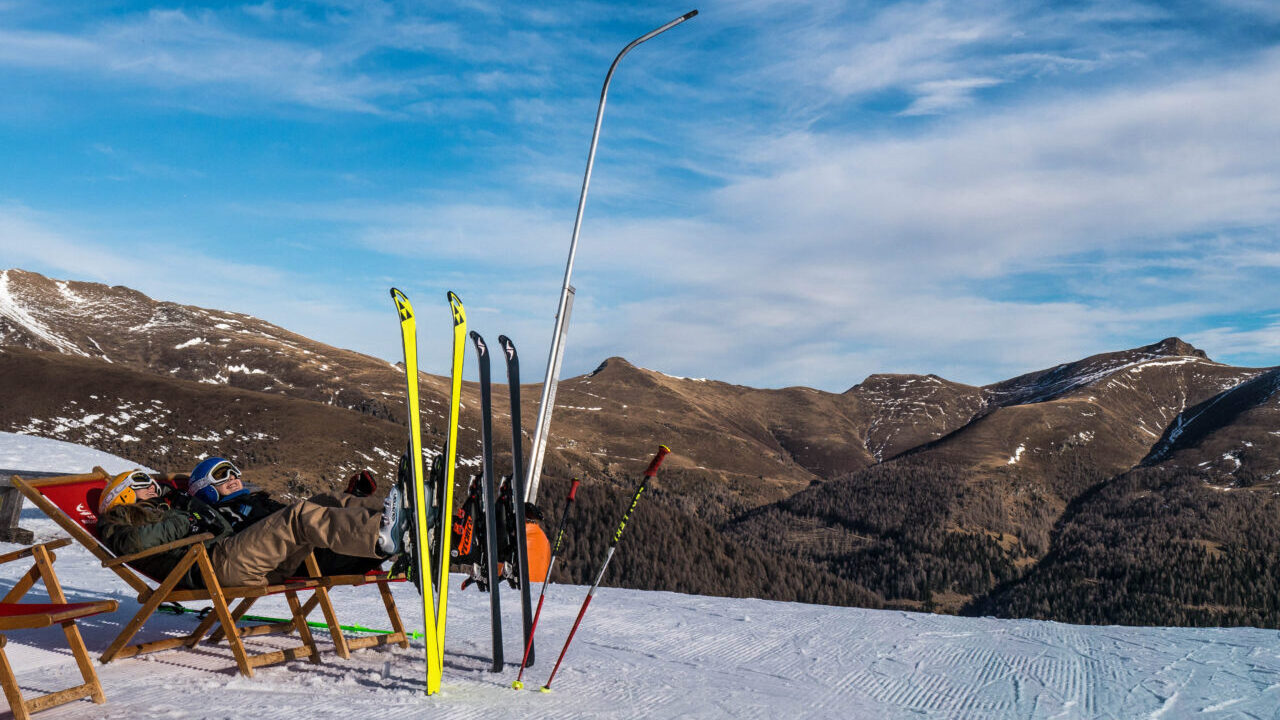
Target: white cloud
(29, 238)
(175, 48)
(828, 251)
(854, 255)
(940, 95)
(1262, 342)
(1133, 166)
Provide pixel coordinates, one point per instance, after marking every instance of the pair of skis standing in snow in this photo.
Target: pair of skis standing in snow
(433, 565)
(499, 510)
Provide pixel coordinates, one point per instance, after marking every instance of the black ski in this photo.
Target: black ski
(517, 495)
(488, 491)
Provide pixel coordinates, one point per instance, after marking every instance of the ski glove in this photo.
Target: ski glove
(362, 484)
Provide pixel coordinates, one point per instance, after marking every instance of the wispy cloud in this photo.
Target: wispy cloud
(787, 192)
(207, 49)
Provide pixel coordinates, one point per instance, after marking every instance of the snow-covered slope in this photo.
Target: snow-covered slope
(37, 454)
(653, 654)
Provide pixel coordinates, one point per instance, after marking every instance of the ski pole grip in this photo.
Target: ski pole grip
(663, 451)
(573, 489)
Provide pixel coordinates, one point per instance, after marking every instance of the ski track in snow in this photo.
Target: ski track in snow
(652, 654)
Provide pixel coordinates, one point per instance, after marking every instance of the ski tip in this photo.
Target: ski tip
(517, 684)
(402, 304)
(455, 304)
(545, 689)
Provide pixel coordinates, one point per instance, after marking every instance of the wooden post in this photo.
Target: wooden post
(11, 507)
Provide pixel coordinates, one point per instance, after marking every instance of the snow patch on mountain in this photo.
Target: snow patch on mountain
(12, 308)
(1017, 455)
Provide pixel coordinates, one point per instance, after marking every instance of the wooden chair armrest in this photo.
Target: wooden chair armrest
(50, 546)
(158, 549)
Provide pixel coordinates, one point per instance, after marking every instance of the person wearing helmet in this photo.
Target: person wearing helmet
(262, 552)
(219, 483)
(127, 488)
(137, 512)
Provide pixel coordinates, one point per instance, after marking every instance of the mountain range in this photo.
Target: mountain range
(1136, 486)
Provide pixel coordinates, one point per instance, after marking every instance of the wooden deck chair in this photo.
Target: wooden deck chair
(342, 645)
(71, 501)
(19, 616)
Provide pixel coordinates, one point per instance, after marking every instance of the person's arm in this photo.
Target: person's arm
(128, 529)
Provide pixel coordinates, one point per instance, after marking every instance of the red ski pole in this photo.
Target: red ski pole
(651, 472)
(568, 503)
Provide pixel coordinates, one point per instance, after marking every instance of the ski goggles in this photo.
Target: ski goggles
(124, 489)
(141, 481)
(223, 472)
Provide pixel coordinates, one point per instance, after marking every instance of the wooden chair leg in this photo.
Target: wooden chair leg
(321, 596)
(238, 612)
(300, 624)
(331, 618)
(149, 607)
(393, 613)
(81, 654)
(10, 683)
(224, 615)
(23, 585)
(206, 623)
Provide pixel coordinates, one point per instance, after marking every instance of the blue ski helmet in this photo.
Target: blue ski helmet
(210, 472)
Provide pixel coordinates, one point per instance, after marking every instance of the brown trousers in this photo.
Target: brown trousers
(266, 552)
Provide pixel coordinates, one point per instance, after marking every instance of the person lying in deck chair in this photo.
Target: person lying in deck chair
(137, 513)
(218, 483)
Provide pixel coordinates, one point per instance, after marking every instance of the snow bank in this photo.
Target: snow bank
(37, 454)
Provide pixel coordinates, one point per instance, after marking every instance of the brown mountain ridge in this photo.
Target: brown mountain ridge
(906, 490)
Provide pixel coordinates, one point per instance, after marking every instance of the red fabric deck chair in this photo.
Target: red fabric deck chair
(21, 616)
(70, 501)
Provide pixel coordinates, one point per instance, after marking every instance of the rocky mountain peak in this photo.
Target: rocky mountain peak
(1172, 346)
(614, 365)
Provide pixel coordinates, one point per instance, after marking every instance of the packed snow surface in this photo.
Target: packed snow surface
(659, 654)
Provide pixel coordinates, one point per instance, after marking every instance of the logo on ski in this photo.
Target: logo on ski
(402, 305)
(459, 315)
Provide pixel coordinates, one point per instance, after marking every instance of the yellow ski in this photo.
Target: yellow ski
(445, 534)
(433, 583)
(422, 568)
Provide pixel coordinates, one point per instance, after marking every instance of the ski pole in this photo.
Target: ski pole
(176, 609)
(552, 379)
(568, 503)
(651, 472)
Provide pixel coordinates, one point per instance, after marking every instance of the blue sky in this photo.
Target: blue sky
(786, 193)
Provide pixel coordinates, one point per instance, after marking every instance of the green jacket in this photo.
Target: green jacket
(129, 529)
